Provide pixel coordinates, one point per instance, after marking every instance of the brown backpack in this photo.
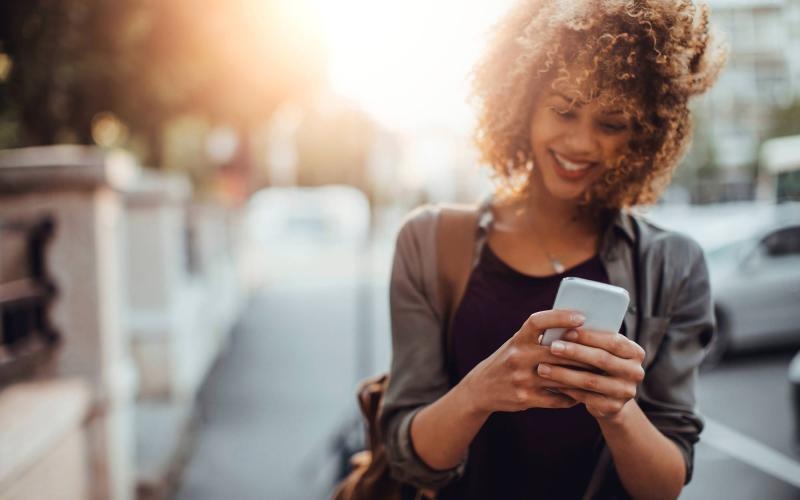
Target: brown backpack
(370, 478)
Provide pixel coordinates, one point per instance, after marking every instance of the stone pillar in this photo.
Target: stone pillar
(162, 301)
(182, 301)
(78, 186)
(43, 440)
(215, 242)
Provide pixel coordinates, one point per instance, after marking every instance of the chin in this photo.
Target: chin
(569, 196)
(563, 191)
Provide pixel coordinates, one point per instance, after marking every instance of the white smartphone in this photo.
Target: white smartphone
(603, 305)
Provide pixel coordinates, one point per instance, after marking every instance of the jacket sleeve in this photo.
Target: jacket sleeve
(418, 376)
(667, 395)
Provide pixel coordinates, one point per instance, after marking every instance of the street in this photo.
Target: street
(286, 384)
(749, 395)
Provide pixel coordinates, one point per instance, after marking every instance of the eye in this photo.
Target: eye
(613, 127)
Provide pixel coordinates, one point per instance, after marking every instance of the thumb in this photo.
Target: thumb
(540, 321)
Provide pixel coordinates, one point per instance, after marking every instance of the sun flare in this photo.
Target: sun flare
(406, 63)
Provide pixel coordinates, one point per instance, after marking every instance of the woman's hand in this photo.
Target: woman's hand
(619, 358)
(507, 380)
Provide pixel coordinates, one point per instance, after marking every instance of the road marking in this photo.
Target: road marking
(751, 452)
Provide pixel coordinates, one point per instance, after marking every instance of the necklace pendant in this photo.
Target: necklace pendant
(557, 266)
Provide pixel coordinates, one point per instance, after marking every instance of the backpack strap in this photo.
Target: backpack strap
(455, 248)
(455, 251)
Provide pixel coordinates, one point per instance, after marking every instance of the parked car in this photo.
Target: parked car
(756, 289)
(753, 255)
(304, 235)
(297, 218)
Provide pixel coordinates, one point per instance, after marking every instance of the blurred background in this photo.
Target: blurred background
(198, 206)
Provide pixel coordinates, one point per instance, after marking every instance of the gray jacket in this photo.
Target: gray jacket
(672, 320)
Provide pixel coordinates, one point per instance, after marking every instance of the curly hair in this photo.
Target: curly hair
(649, 56)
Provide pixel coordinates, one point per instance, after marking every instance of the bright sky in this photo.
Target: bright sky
(406, 62)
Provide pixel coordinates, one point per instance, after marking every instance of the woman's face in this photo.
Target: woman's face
(573, 145)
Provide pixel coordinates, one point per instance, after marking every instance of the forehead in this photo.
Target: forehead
(585, 91)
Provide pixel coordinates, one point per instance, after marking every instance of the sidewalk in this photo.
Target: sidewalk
(284, 386)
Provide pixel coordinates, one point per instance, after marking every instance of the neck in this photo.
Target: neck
(555, 219)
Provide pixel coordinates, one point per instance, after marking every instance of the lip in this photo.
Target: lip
(571, 175)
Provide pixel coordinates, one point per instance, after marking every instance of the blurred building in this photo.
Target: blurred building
(762, 76)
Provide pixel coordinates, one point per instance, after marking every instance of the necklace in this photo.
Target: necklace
(555, 263)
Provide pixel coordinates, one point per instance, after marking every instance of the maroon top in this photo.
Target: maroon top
(536, 453)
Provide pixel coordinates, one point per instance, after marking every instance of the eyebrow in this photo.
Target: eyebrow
(578, 104)
(574, 102)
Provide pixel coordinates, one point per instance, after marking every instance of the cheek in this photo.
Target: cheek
(544, 129)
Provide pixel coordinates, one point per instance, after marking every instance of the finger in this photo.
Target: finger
(551, 400)
(549, 384)
(540, 321)
(576, 394)
(615, 343)
(528, 379)
(601, 384)
(600, 358)
(527, 357)
(596, 402)
(544, 354)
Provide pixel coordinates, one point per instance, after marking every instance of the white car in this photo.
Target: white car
(756, 288)
(304, 235)
(309, 217)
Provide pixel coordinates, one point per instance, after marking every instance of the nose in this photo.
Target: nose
(581, 142)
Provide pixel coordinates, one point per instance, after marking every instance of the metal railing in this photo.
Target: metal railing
(26, 336)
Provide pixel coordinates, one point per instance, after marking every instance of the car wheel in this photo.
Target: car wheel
(718, 348)
(794, 380)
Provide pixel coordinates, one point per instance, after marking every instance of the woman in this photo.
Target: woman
(582, 113)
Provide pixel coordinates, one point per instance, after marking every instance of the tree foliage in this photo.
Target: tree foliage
(148, 61)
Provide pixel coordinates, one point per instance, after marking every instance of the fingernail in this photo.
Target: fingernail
(578, 318)
(543, 369)
(571, 335)
(557, 346)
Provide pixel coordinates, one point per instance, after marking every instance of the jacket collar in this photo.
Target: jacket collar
(622, 220)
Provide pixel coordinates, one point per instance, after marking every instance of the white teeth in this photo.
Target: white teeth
(568, 165)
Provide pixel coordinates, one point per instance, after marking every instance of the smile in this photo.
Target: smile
(571, 165)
